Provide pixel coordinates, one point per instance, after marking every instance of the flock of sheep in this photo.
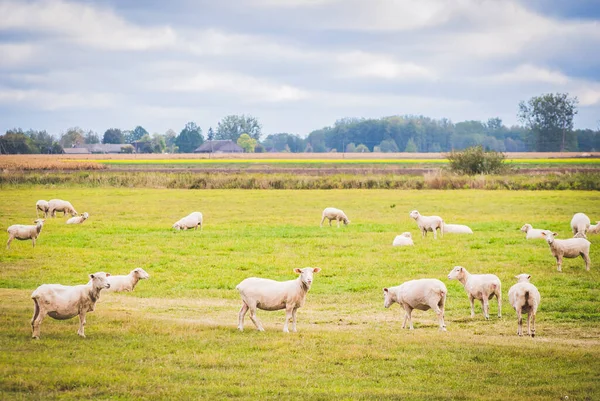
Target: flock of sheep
(65, 302)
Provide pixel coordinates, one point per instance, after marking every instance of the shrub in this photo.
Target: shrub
(475, 160)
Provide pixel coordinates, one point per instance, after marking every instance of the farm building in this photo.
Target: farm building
(97, 148)
(221, 146)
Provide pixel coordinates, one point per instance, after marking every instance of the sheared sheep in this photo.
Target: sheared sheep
(422, 294)
(78, 219)
(479, 286)
(41, 206)
(65, 302)
(404, 239)
(457, 229)
(580, 223)
(127, 282)
(428, 223)
(268, 294)
(23, 232)
(532, 233)
(524, 297)
(594, 228)
(568, 248)
(332, 213)
(192, 220)
(59, 205)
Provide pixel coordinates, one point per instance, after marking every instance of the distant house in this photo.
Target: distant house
(96, 148)
(76, 151)
(221, 146)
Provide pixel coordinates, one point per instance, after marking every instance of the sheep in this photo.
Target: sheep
(78, 219)
(59, 205)
(65, 302)
(568, 248)
(422, 294)
(457, 229)
(192, 220)
(479, 286)
(127, 282)
(580, 223)
(41, 206)
(524, 297)
(404, 239)
(332, 213)
(532, 233)
(594, 228)
(428, 223)
(268, 294)
(23, 232)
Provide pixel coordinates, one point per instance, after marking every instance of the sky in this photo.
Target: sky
(295, 65)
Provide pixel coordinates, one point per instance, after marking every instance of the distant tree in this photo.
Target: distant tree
(259, 148)
(362, 149)
(170, 138)
(189, 138)
(210, 135)
(14, 141)
(494, 124)
(113, 135)
(73, 137)
(308, 148)
(144, 144)
(388, 145)
(127, 148)
(91, 137)
(411, 146)
(351, 148)
(42, 142)
(135, 135)
(232, 126)
(158, 143)
(475, 160)
(247, 142)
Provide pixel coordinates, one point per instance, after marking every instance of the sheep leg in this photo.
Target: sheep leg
(241, 315)
(532, 324)
(472, 300)
(255, 319)
(439, 311)
(405, 319)
(423, 233)
(294, 319)
(586, 259)
(38, 316)
(520, 322)
(33, 242)
(434, 233)
(486, 306)
(559, 262)
(338, 222)
(288, 316)
(408, 310)
(499, 299)
(10, 238)
(322, 220)
(81, 330)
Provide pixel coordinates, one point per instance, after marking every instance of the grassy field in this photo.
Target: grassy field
(175, 336)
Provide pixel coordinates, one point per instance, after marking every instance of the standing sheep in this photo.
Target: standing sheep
(428, 223)
(59, 205)
(332, 213)
(127, 282)
(568, 248)
(423, 294)
(192, 220)
(580, 223)
(23, 232)
(524, 297)
(532, 233)
(594, 228)
(479, 286)
(78, 219)
(268, 294)
(404, 239)
(41, 206)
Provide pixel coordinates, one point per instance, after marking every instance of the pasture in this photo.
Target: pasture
(175, 336)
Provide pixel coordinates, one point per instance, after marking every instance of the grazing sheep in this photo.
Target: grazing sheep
(332, 213)
(404, 239)
(479, 286)
(524, 297)
(594, 228)
(22, 232)
(457, 229)
(59, 205)
(532, 233)
(127, 282)
(268, 294)
(580, 223)
(428, 223)
(192, 220)
(568, 248)
(65, 302)
(41, 206)
(78, 219)
(422, 294)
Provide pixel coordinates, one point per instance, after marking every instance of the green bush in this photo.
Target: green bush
(475, 160)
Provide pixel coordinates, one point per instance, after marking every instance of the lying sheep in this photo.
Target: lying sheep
(65, 302)
(457, 229)
(532, 233)
(479, 286)
(580, 223)
(332, 213)
(404, 239)
(428, 223)
(192, 220)
(41, 206)
(568, 248)
(59, 205)
(268, 294)
(594, 228)
(524, 297)
(423, 294)
(127, 282)
(23, 232)
(78, 219)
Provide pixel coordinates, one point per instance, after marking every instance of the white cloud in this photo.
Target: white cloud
(48, 100)
(528, 73)
(14, 54)
(362, 64)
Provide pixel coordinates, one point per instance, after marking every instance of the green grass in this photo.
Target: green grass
(175, 336)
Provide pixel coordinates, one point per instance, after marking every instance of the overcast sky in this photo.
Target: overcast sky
(296, 65)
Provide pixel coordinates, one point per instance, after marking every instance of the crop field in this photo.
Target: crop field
(175, 336)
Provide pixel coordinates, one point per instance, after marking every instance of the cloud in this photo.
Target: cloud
(528, 73)
(49, 101)
(362, 64)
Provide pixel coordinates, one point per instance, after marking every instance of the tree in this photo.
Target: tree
(411, 146)
(144, 144)
(14, 141)
(113, 135)
(550, 118)
(362, 149)
(135, 135)
(91, 137)
(73, 137)
(247, 142)
(475, 160)
(210, 135)
(158, 143)
(350, 148)
(170, 138)
(189, 138)
(232, 126)
(388, 146)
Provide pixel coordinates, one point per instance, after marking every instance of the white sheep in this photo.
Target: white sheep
(524, 297)
(332, 213)
(24, 232)
(457, 229)
(127, 282)
(422, 294)
(404, 239)
(580, 223)
(532, 233)
(268, 294)
(192, 220)
(594, 228)
(428, 223)
(479, 286)
(59, 205)
(78, 219)
(41, 206)
(568, 248)
(65, 302)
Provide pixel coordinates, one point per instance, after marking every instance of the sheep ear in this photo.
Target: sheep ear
(528, 276)
(517, 277)
(460, 268)
(543, 234)
(385, 290)
(316, 269)
(296, 270)
(555, 234)
(91, 276)
(107, 274)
